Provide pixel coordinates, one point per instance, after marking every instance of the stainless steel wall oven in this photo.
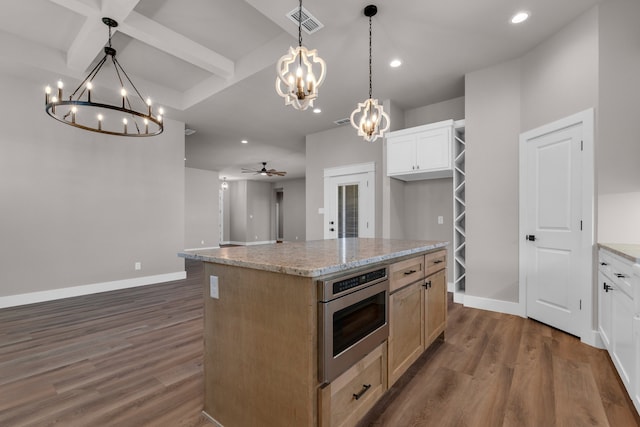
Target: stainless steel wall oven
(353, 319)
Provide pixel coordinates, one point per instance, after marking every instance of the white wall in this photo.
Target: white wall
(201, 200)
(450, 109)
(554, 80)
(618, 146)
(492, 128)
(293, 209)
(258, 217)
(81, 208)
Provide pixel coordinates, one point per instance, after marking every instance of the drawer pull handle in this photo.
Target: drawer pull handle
(621, 276)
(406, 273)
(438, 261)
(365, 387)
(427, 285)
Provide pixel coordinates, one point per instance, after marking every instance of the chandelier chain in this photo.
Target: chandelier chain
(300, 24)
(370, 55)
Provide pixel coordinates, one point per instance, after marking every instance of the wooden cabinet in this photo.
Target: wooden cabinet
(404, 272)
(344, 401)
(406, 326)
(417, 312)
(435, 301)
(421, 152)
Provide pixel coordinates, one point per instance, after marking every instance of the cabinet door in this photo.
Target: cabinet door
(636, 386)
(436, 306)
(401, 154)
(605, 300)
(433, 149)
(406, 322)
(623, 353)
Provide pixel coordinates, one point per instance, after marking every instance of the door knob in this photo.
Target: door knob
(530, 237)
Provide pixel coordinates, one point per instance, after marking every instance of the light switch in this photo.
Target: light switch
(440, 219)
(213, 287)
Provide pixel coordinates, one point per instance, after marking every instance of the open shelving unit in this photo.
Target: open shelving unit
(459, 212)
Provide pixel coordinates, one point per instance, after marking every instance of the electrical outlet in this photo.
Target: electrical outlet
(440, 219)
(138, 265)
(214, 291)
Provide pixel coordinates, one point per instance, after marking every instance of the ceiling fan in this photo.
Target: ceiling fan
(264, 171)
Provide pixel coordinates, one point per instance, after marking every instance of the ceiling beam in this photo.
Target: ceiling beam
(156, 35)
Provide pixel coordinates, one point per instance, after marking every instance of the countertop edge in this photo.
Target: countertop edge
(623, 250)
(314, 272)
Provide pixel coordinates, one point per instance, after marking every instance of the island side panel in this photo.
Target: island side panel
(260, 358)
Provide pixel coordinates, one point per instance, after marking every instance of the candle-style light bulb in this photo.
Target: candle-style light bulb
(124, 121)
(89, 87)
(47, 92)
(149, 105)
(60, 86)
(54, 99)
(146, 126)
(99, 121)
(74, 110)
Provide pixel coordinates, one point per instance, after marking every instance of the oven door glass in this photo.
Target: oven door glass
(353, 323)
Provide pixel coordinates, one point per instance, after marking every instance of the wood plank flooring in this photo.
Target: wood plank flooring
(497, 370)
(134, 358)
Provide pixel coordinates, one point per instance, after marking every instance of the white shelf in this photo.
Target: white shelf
(459, 211)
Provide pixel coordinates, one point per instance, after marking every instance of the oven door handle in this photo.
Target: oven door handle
(365, 387)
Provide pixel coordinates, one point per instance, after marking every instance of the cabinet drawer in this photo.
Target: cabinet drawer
(347, 399)
(404, 272)
(619, 271)
(435, 261)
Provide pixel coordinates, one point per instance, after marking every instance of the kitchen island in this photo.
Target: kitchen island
(263, 327)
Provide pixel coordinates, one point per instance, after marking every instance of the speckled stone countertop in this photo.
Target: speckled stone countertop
(628, 251)
(315, 258)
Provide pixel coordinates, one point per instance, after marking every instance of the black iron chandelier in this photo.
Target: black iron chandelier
(128, 114)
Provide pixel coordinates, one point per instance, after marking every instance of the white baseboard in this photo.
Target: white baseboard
(593, 339)
(213, 420)
(499, 306)
(94, 288)
(451, 287)
(458, 297)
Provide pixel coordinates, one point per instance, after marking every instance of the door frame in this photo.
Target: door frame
(368, 168)
(589, 333)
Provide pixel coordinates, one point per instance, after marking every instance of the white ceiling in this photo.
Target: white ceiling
(212, 62)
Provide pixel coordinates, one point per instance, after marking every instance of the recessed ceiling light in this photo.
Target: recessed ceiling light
(244, 141)
(520, 17)
(395, 63)
(317, 110)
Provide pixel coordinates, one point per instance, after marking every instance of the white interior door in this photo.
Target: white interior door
(349, 202)
(555, 227)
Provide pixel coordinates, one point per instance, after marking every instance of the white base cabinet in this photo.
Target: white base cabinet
(619, 318)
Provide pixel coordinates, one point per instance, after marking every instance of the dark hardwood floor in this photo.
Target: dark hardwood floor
(134, 358)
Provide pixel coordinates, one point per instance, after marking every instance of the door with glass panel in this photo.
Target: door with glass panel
(349, 205)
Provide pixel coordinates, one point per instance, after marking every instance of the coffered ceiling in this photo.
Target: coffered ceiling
(211, 63)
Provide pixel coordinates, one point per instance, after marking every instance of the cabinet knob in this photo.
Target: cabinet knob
(621, 276)
(607, 288)
(427, 285)
(603, 263)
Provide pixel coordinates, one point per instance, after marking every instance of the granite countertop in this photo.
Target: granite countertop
(625, 250)
(315, 258)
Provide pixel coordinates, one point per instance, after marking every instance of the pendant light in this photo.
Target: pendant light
(300, 73)
(131, 115)
(369, 118)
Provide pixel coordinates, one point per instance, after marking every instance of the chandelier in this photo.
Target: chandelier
(369, 117)
(133, 115)
(296, 81)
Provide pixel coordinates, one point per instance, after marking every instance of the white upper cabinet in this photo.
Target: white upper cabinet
(422, 152)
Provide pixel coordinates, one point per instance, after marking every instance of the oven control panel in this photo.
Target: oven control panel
(330, 289)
